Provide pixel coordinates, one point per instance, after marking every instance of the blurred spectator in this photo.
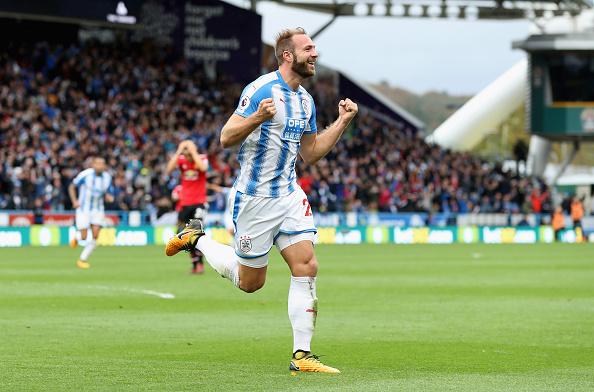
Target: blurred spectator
(38, 211)
(577, 214)
(558, 222)
(537, 198)
(524, 221)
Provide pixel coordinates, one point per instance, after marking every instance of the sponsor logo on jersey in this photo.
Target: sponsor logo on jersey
(294, 127)
(190, 175)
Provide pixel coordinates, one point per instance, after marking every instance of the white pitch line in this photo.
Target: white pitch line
(136, 291)
(157, 294)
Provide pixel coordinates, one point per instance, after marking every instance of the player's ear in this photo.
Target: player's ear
(288, 56)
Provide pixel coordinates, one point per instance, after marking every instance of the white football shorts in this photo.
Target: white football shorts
(228, 220)
(261, 222)
(84, 219)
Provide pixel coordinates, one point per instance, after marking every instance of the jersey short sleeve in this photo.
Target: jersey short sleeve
(311, 127)
(80, 177)
(250, 99)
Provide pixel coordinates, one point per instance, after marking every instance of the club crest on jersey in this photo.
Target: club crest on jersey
(245, 243)
(305, 106)
(294, 127)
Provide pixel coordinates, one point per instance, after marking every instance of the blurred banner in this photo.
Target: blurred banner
(218, 35)
(215, 32)
(41, 235)
(335, 219)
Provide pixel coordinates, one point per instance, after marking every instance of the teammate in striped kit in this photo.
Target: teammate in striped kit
(87, 192)
(275, 122)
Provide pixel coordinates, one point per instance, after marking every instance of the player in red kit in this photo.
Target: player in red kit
(192, 195)
(176, 197)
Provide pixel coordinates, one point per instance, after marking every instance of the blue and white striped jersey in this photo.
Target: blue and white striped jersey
(92, 188)
(267, 156)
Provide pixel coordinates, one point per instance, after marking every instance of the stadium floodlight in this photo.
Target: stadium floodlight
(472, 12)
(452, 11)
(361, 9)
(415, 10)
(397, 10)
(379, 9)
(447, 9)
(434, 11)
(548, 14)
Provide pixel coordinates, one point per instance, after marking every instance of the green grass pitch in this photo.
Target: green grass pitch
(392, 318)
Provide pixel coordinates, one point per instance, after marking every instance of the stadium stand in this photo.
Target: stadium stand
(132, 105)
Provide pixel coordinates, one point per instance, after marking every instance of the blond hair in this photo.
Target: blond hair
(284, 42)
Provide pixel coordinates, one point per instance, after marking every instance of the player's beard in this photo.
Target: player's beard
(301, 68)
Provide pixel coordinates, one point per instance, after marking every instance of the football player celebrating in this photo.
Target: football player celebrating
(275, 121)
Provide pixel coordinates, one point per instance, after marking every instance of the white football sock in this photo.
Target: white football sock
(220, 257)
(89, 247)
(303, 309)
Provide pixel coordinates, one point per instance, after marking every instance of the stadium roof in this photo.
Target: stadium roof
(576, 41)
(452, 9)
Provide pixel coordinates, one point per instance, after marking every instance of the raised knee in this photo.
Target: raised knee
(251, 287)
(309, 268)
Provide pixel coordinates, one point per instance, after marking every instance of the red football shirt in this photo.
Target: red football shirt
(193, 182)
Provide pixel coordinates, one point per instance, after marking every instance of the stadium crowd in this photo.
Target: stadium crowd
(60, 105)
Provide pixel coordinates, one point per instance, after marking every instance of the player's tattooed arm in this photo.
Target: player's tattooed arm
(238, 128)
(315, 146)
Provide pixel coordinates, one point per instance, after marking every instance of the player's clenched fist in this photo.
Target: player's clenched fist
(347, 109)
(266, 110)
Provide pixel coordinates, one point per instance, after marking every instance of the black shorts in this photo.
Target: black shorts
(192, 212)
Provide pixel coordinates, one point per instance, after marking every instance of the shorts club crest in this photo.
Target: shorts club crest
(245, 243)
